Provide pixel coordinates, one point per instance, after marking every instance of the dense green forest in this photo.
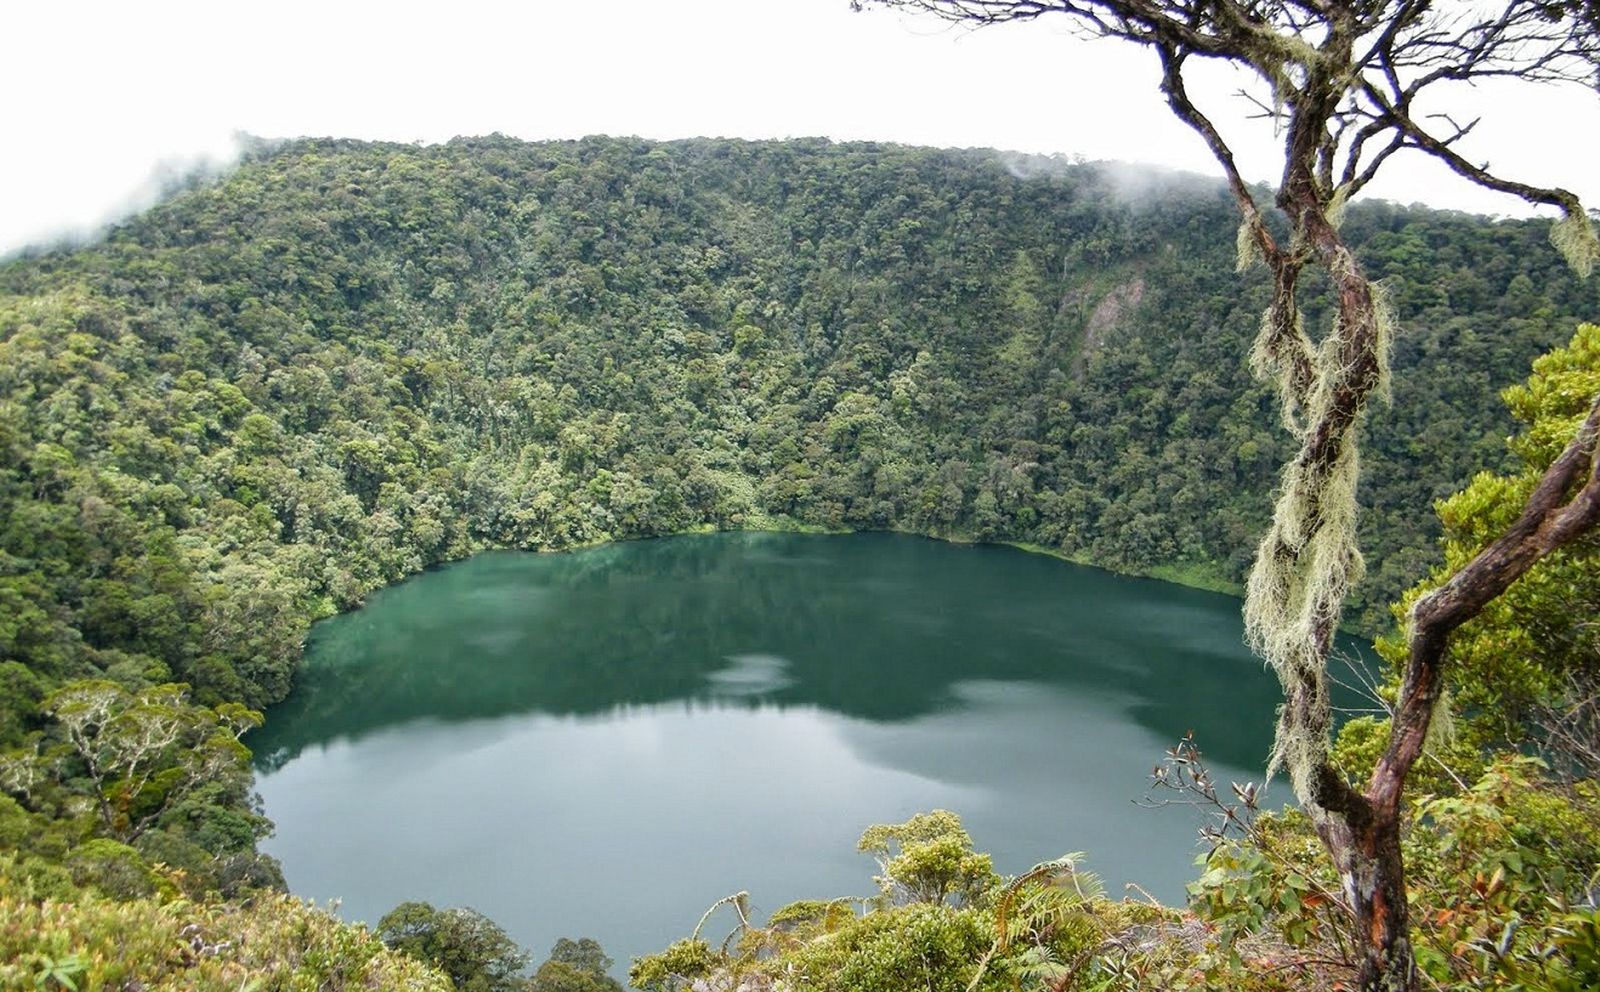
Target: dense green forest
(343, 362)
(270, 395)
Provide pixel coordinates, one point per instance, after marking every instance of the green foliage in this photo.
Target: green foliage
(344, 362)
(1529, 665)
(677, 967)
(807, 918)
(1055, 912)
(574, 966)
(929, 858)
(114, 869)
(271, 944)
(1045, 926)
(1502, 877)
(557, 976)
(1505, 869)
(468, 947)
(1274, 878)
(584, 953)
(150, 770)
(920, 946)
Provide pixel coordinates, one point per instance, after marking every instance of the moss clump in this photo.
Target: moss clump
(1246, 251)
(1310, 559)
(1573, 236)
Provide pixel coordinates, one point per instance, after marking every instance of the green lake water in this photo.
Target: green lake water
(603, 743)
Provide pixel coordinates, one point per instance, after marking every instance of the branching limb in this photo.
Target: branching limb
(1439, 148)
(1178, 99)
(1548, 521)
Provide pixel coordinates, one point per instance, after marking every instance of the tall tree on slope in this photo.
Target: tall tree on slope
(1345, 79)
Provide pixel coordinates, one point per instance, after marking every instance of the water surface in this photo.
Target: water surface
(604, 743)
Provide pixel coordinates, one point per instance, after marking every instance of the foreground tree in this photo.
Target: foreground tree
(575, 966)
(1528, 669)
(471, 949)
(929, 858)
(132, 758)
(1345, 80)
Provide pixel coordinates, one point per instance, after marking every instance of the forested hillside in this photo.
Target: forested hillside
(345, 361)
(273, 393)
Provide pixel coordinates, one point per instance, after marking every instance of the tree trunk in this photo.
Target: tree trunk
(1364, 842)
(1372, 871)
(1360, 830)
(1375, 884)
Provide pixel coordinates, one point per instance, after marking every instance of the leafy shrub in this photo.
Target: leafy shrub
(921, 946)
(467, 946)
(929, 858)
(114, 869)
(272, 944)
(574, 966)
(677, 967)
(1504, 876)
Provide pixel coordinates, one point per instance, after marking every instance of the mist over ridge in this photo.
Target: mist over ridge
(344, 361)
(178, 170)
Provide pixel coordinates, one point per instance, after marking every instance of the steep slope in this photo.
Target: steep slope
(346, 361)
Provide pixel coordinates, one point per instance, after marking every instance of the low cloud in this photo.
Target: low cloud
(59, 208)
(1127, 181)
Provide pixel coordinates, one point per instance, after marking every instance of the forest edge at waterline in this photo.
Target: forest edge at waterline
(343, 362)
(766, 696)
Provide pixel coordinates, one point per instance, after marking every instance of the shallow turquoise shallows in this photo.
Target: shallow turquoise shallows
(604, 743)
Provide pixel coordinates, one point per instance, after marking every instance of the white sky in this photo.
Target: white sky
(97, 94)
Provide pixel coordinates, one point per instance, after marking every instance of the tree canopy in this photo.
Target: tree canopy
(468, 947)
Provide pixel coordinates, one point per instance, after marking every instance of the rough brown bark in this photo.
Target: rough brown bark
(1363, 842)
(1379, 905)
(1361, 830)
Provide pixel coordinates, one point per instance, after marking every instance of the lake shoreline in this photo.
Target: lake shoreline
(863, 677)
(1205, 576)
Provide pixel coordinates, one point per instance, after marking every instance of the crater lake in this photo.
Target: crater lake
(605, 742)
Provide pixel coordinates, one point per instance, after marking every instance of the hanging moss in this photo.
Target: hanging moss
(1334, 212)
(1247, 250)
(1269, 362)
(1441, 724)
(1574, 237)
(1309, 559)
(1383, 320)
